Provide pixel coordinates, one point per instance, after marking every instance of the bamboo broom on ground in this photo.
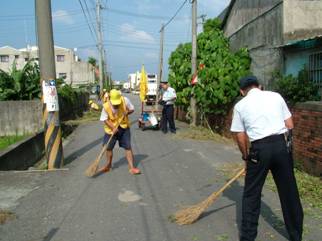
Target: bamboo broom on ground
(191, 214)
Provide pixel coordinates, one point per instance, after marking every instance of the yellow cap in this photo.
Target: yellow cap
(115, 97)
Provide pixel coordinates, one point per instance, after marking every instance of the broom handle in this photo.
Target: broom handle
(109, 140)
(216, 194)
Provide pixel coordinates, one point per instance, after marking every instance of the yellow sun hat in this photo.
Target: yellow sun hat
(115, 97)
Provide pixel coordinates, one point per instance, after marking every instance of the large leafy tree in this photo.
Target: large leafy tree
(218, 81)
(23, 84)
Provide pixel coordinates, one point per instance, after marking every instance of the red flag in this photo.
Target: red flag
(194, 79)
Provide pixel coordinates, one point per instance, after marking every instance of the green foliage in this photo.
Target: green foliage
(296, 89)
(218, 81)
(67, 93)
(92, 61)
(6, 141)
(21, 84)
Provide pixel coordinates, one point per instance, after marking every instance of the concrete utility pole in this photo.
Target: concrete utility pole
(100, 42)
(159, 79)
(193, 105)
(53, 141)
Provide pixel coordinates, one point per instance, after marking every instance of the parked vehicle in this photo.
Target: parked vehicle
(152, 89)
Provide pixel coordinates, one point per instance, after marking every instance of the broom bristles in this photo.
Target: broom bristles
(188, 215)
(191, 214)
(91, 170)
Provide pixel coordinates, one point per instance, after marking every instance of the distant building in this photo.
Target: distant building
(68, 65)
(280, 35)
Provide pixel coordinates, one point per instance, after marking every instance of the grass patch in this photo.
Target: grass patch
(6, 141)
(88, 116)
(202, 134)
(6, 216)
(222, 237)
(310, 188)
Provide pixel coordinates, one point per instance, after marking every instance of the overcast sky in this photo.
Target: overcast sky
(131, 29)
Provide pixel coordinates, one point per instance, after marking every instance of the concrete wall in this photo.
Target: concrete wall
(25, 117)
(302, 19)
(257, 25)
(83, 73)
(23, 154)
(245, 11)
(20, 117)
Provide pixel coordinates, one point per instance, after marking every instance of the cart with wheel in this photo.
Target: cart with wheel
(150, 118)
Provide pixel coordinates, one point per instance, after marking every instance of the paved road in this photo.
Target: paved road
(67, 206)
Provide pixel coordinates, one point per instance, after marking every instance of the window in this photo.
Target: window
(16, 56)
(4, 58)
(60, 58)
(315, 69)
(62, 75)
(26, 59)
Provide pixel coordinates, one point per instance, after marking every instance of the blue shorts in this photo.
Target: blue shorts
(123, 136)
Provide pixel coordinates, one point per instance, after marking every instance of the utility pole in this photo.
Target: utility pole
(193, 105)
(100, 42)
(53, 141)
(159, 79)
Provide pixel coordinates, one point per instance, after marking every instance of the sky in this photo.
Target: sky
(131, 29)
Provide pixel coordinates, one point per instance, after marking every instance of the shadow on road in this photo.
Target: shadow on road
(137, 159)
(235, 193)
(73, 156)
(50, 234)
(205, 214)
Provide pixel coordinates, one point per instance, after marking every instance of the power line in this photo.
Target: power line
(118, 11)
(89, 26)
(89, 14)
(176, 13)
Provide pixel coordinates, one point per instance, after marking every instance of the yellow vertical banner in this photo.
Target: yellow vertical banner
(143, 84)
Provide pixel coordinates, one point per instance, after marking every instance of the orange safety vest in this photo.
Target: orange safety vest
(115, 118)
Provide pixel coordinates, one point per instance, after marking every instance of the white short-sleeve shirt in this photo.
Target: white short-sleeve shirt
(169, 95)
(260, 114)
(129, 106)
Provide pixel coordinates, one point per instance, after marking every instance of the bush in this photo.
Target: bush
(218, 81)
(296, 89)
(21, 84)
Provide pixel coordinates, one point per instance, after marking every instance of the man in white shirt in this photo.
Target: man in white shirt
(168, 98)
(263, 118)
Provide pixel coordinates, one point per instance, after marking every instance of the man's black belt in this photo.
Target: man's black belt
(269, 139)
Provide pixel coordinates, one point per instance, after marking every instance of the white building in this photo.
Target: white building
(68, 65)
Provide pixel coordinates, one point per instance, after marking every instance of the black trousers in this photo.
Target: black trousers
(168, 116)
(271, 154)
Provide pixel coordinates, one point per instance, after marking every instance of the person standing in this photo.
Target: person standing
(116, 110)
(168, 98)
(263, 118)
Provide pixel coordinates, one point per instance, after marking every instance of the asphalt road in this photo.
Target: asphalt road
(116, 206)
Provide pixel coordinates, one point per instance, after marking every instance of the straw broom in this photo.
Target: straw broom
(191, 214)
(92, 169)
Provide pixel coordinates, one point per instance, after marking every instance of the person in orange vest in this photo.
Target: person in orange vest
(116, 110)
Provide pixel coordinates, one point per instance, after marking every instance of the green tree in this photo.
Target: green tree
(21, 84)
(218, 81)
(92, 61)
